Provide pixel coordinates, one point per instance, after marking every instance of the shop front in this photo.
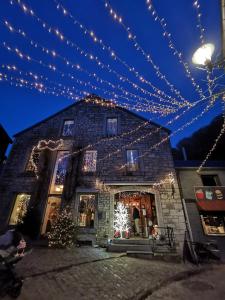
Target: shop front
(141, 213)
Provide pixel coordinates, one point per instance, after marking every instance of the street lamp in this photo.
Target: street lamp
(203, 55)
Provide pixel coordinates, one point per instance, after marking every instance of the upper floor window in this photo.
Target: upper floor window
(59, 174)
(112, 126)
(90, 161)
(19, 209)
(68, 127)
(33, 161)
(210, 180)
(132, 160)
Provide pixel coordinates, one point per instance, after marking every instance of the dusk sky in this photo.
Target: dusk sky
(22, 107)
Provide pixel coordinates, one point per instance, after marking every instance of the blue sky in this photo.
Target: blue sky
(21, 107)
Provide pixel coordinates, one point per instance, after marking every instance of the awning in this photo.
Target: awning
(213, 205)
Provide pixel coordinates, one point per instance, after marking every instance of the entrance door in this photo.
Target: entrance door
(51, 213)
(145, 203)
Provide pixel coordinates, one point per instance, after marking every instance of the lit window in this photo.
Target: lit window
(213, 224)
(132, 160)
(59, 172)
(111, 126)
(90, 160)
(20, 208)
(68, 127)
(33, 161)
(87, 210)
(51, 213)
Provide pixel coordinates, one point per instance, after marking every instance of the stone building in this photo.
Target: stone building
(106, 167)
(203, 196)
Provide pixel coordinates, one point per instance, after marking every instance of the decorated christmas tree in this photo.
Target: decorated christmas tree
(63, 230)
(121, 219)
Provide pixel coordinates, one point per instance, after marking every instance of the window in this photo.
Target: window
(132, 160)
(59, 174)
(213, 224)
(210, 180)
(33, 161)
(51, 213)
(90, 160)
(20, 208)
(87, 207)
(68, 127)
(112, 126)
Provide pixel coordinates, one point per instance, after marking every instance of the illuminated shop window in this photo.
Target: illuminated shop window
(20, 208)
(213, 224)
(87, 206)
(112, 126)
(90, 161)
(51, 212)
(33, 159)
(132, 160)
(68, 127)
(59, 174)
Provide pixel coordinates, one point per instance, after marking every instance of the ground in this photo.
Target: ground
(92, 273)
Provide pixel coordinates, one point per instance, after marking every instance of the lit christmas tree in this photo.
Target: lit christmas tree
(63, 230)
(121, 219)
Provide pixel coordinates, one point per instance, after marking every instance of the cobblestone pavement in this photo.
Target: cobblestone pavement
(91, 273)
(207, 285)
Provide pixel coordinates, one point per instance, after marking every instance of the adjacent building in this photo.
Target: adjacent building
(91, 156)
(203, 196)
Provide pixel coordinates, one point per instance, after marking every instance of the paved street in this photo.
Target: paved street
(92, 273)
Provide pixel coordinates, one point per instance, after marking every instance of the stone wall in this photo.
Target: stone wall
(90, 127)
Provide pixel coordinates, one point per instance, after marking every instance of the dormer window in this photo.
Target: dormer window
(112, 126)
(68, 128)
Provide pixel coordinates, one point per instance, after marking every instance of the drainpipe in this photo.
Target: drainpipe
(222, 3)
(184, 153)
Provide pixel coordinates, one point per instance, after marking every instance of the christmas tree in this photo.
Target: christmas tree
(121, 219)
(63, 230)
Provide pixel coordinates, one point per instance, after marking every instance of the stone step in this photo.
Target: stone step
(132, 241)
(127, 247)
(170, 257)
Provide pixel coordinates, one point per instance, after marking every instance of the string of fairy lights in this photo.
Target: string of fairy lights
(172, 46)
(132, 37)
(50, 29)
(197, 7)
(75, 66)
(41, 146)
(96, 39)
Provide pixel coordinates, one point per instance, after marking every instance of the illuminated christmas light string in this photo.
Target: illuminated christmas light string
(171, 45)
(222, 130)
(52, 67)
(112, 52)
(213, 148)
(68, 42)
(208, 107)
(139, 48)
(69, 95)
(74, 66)
(140, 138)
(169, 178)
(40, 87)
(196, 5)
(44, 145)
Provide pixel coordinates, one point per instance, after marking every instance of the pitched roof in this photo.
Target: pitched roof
(85, 100)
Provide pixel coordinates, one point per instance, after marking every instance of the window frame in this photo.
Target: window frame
(62, 129)
(88, 172)
(13, 206)
(215, 177)
(204, 226)
(128, 170)
(53, 176)
(79, 195)
(117, 121)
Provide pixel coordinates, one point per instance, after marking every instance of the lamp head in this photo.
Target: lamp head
(203, 55)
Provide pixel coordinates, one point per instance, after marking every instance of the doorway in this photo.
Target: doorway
(145, 203)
